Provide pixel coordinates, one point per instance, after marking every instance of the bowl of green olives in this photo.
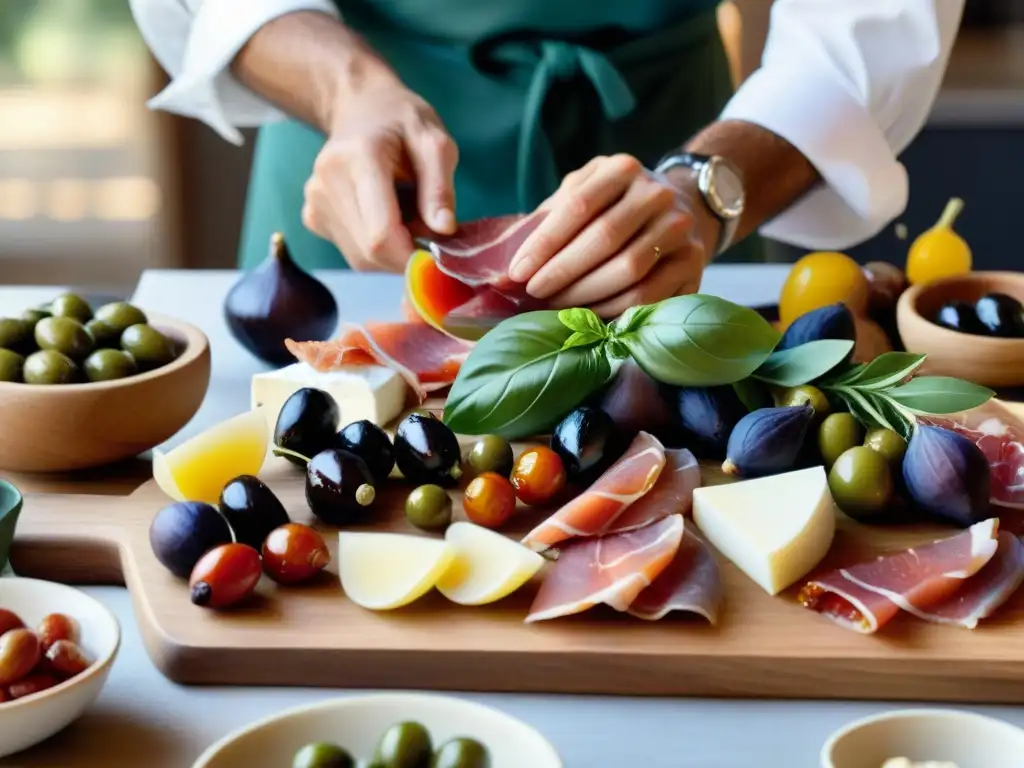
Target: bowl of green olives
(385, 730)
(970, 326)
(81, 388)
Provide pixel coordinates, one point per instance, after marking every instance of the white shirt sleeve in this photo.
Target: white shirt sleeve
(195, 42)
(849, 83)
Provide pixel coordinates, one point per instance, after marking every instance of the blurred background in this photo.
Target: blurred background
(95, 188)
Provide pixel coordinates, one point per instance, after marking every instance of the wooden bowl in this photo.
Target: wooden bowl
(63, 427)
(356, 723)
(993, 362)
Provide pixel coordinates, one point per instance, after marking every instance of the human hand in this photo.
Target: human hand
(615, 236)
(382, 136)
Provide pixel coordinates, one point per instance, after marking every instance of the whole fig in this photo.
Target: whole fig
(947, 476)
(634, 403)
(767, 441)
(704, 418)
(832, 322)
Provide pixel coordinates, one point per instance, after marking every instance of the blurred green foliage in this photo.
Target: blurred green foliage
(90, 16)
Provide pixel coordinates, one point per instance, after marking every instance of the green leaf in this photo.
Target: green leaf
(583, 321)
(901, 421)
(753, 394)
(632, 319)
(581, 339)
(805, 363)
(519, 381)
(939, 394)
(886, 370)
(863, 408)
(698, 340)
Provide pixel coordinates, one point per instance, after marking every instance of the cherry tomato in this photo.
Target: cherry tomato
(489, 500)
(9, 620)
(19, 653)
(67, 659)
(55, 627)
(31, 684)
(538, 475)
(225, 575)
(294, 553)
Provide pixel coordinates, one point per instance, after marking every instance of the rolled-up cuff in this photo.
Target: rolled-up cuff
(204, 87)
(865, 185)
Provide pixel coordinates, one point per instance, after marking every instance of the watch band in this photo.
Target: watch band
(701, 165)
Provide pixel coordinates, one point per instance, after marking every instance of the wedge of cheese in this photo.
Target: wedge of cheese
(774, 529)
(370, 392)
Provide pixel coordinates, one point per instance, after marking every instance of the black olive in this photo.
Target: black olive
(960, 316)
(427, 451)
(587, 441)
(1001, 315)
(251, 509)
(339, 487)
(307, 423)
(705, 417)
(371, 444)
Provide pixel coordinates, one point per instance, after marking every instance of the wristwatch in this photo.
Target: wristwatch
(720, 184)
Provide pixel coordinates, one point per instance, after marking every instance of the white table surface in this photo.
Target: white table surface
(143, 720)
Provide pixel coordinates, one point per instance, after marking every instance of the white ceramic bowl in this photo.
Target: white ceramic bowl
(966, 739)
(356, 723)
(27, 721)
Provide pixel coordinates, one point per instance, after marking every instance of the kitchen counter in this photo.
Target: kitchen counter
(142, 719)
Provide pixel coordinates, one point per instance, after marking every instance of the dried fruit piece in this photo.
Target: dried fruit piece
(294, 553)
(54, 627)
(31, 684)
(225, 575)
(67, 658)
(9, 620)
(19, 654)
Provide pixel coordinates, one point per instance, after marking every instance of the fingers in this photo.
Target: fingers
(434, 157)
(663, 237)
(379, 233)
(604, 237)
(673, 276)
(582, 203)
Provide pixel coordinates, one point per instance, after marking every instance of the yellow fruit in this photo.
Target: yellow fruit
(939, 252)
(199, 468)
(382, 571)
(820, 279)
(487, 566)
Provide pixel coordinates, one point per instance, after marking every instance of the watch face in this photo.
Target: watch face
(724, 189)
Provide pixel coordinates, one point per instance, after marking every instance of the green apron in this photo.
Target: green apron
(529, 90)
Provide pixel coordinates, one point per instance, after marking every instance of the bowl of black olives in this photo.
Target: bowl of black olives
(970, 326)
(83, 387)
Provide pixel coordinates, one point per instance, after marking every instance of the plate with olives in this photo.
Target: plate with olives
(389, 730)
(85, 386)
(970, 326)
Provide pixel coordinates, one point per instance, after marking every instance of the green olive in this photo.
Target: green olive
(102, 334)
(11, 365)
(15, 333)
(491, 454)
(461, 753)
(838, 433)
(147, 345)
(33, 316)
(429, 507)
(806, 395)
(121, 315)
(65, 335)
(887, 443)
(322, 754)
(48, 366)
(71, 305)
(861, 483)
(403, 745)
(109, 364)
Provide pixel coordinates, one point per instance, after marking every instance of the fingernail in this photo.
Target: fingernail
(518, 270)
(444, 221)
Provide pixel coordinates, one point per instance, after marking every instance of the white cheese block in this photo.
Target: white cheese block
(370, 392)
(774, 529)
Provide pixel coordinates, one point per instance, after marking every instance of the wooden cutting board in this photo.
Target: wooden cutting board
(312, 635)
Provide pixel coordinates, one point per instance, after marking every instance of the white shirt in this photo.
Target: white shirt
(847, 82)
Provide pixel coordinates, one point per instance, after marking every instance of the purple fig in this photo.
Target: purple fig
(834, 321)
(634, 402)
(706, 416)
(947, 476)
(767, 441)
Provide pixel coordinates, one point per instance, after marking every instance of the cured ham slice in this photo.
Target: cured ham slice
(590, 513)
(690, 582)
(867, 596)
(612, 570)
(672, 494)
(426, 358)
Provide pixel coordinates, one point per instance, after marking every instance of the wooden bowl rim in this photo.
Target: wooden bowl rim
(906, 307)
(196, 343)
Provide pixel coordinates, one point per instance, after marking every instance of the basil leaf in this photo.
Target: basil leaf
(632, 319)
(939, 394)
(581, 339)
(699, 340)
(804, 363)
(753, 394)
(583, 321)
(518, 381)
(886, 370)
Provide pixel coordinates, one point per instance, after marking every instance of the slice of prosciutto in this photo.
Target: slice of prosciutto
(672, 494)
(426, 358)
(594, 510)
(612, 570)
(690, 583)
(867, 596)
